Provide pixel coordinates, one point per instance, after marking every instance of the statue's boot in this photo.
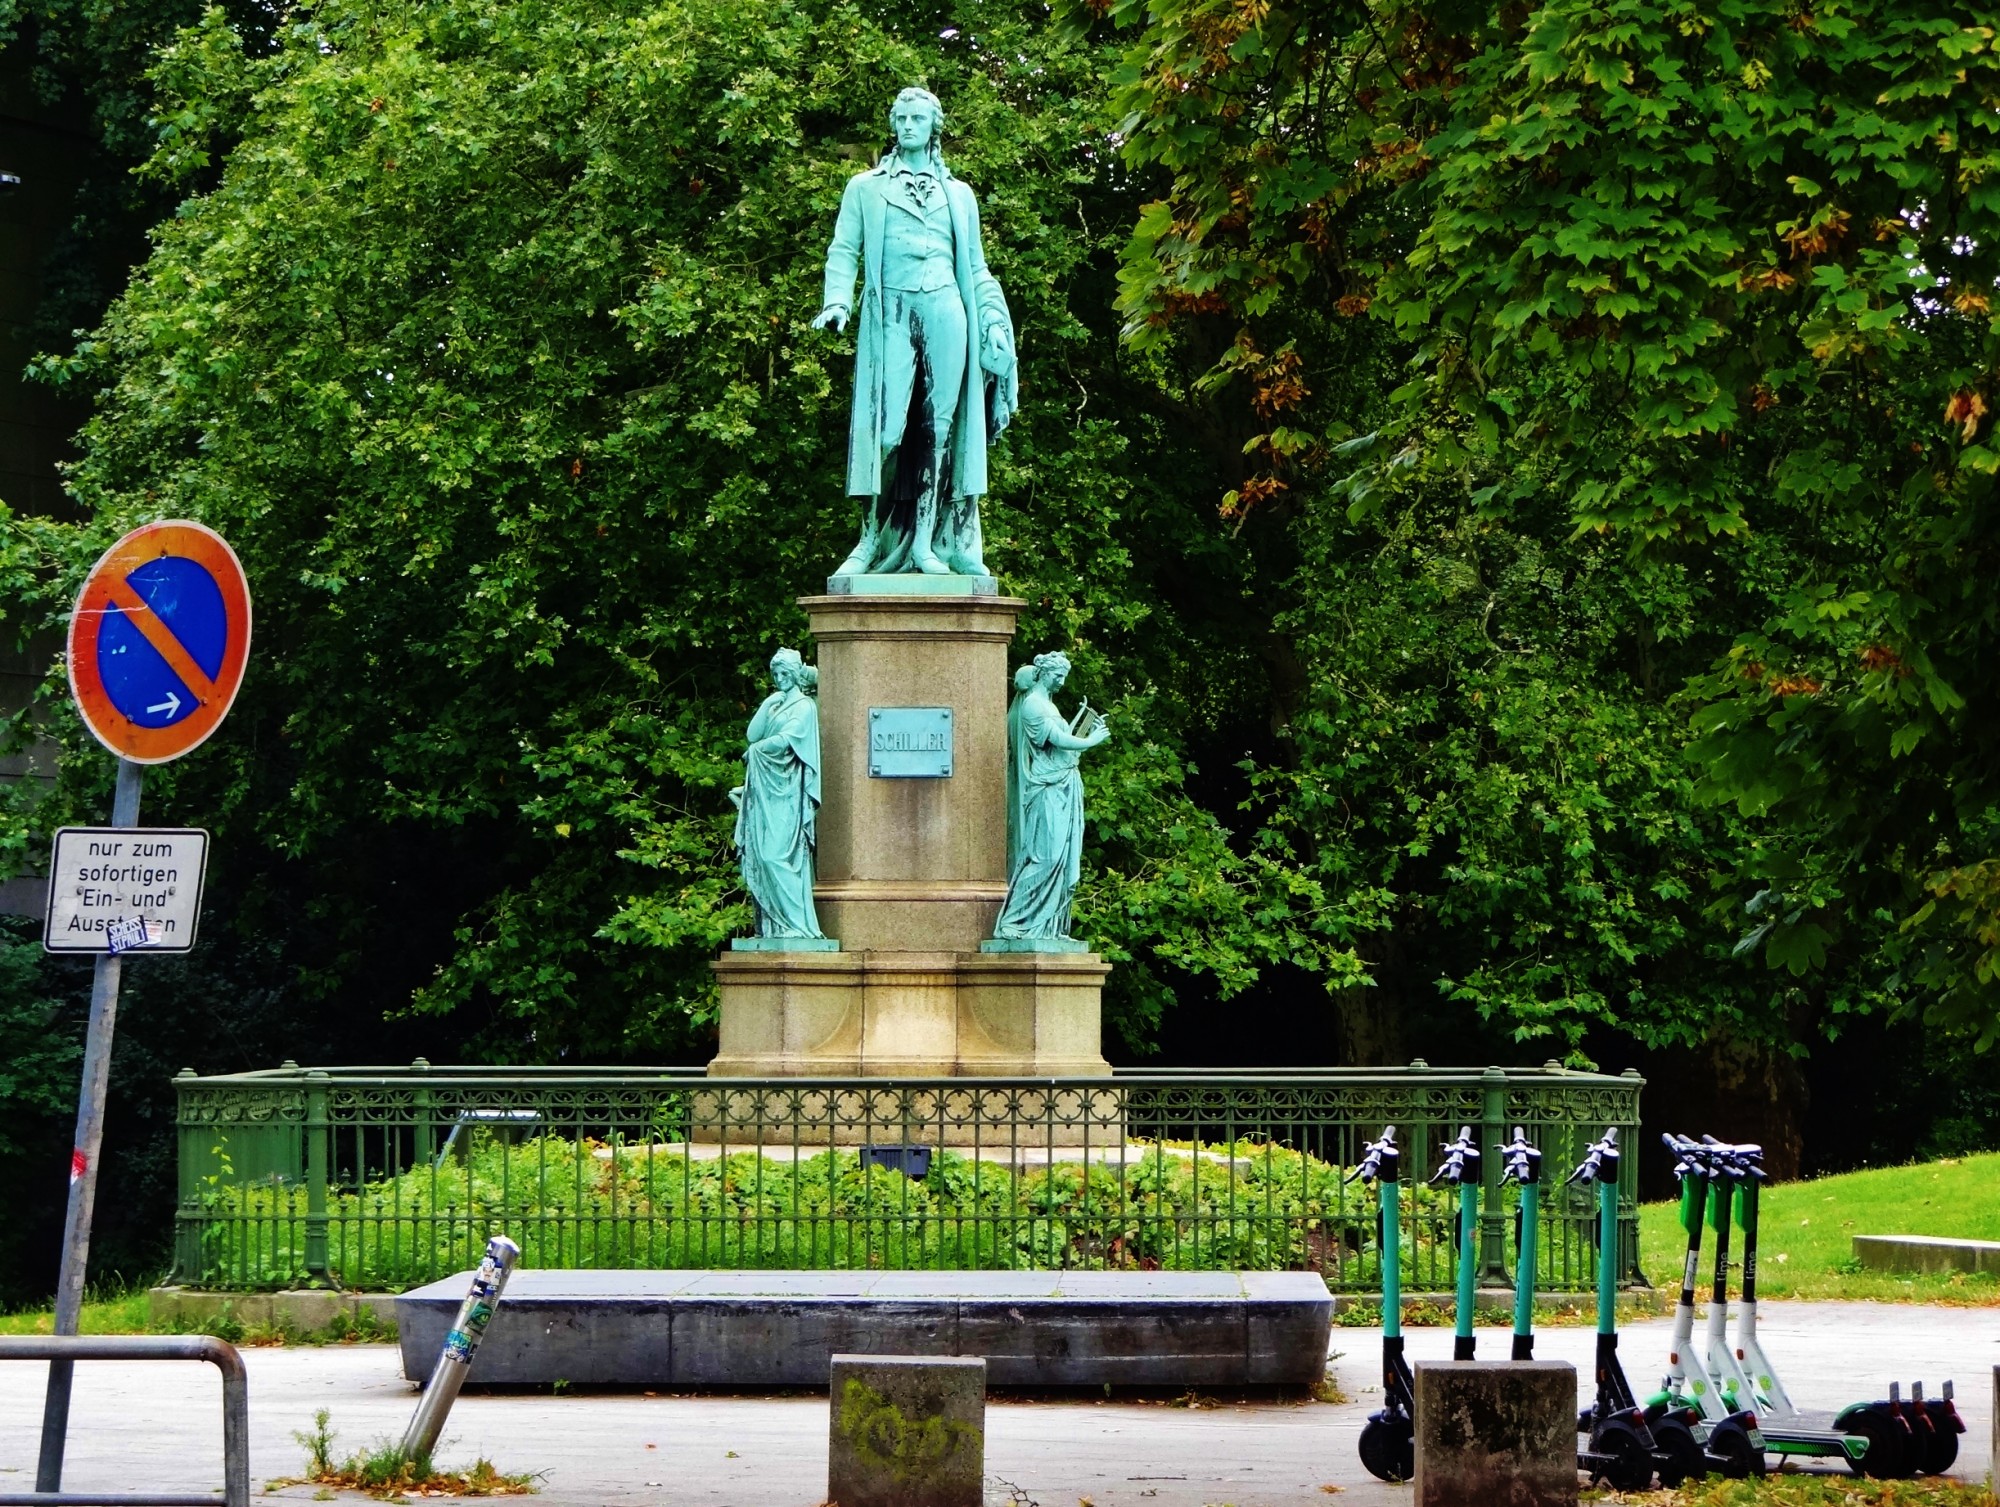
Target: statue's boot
(922, 556)
(967, 557)
(863, 554)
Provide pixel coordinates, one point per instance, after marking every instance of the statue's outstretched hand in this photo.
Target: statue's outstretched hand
(1103, 730)
(833, 314)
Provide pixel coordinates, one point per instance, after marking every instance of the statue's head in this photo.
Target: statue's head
(916, 122)
(787, 669)
(1052, 669)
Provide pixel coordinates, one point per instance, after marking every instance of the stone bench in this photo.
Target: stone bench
(782, 1328)
(1926, 1253)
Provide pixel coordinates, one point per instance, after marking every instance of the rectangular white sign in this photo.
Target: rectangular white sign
(125, 889)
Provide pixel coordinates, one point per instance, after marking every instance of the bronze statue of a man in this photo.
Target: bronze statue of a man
(935, 375)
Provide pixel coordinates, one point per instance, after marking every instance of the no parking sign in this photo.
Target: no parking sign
(159, 639)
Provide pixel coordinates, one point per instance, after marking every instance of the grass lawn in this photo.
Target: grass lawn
(124, 1314)
(1805, 1236)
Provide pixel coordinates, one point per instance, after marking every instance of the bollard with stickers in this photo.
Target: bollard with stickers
(158, 643)
(461, 1343)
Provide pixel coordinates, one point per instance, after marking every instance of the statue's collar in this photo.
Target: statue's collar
(893, 166)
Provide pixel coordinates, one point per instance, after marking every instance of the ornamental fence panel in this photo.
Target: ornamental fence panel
(386, 1178)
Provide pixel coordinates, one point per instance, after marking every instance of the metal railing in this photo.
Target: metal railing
(235, 1412)
(383, 1178)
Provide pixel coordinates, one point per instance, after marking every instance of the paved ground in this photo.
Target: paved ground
(157, 1425)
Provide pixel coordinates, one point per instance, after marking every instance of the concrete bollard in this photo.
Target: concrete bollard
(1496, 1435)
(906, 1431)
(1993, 1460)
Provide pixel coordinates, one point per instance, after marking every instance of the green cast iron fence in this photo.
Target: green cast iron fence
(381, 1178)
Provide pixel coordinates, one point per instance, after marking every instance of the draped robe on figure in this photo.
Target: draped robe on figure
(777, 813)
(1044, 820)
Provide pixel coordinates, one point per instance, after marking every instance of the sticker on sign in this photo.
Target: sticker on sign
(125, 889)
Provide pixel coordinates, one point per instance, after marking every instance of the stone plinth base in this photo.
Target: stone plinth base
(782, 1328)
(910, 1015)
(1496, 1435)
(912, 584)
(906, 1431)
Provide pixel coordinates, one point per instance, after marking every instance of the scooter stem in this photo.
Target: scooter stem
(1524, 1274)
(1681, 1378)
(1468, 1235)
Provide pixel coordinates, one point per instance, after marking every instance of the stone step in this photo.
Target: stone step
(782, 1328)
(1926, 1253)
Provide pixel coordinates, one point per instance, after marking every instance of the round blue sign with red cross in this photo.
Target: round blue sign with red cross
(159, 640)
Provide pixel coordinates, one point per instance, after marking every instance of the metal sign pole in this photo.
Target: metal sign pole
(83, 1164)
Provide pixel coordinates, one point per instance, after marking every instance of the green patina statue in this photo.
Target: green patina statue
(777, 809)
(935, 375)
(1044, 810)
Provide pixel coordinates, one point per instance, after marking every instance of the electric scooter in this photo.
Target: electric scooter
(1523, 1165)
(1909, 1439)
(1730, 1439)
(1625, 1443)
(1460, 1168)
(1389, 1438)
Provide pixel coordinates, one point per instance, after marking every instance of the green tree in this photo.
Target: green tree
(488, 352)
(1713, 281)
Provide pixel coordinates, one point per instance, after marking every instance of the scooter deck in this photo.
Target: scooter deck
(1810, 1434)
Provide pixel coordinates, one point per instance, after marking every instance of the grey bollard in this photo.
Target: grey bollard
(461, 1341)
(906, 1431)
(1497, 1434)
(1993, 1460)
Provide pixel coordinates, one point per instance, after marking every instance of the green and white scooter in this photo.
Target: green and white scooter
(1522, 1164)
(1460, 1168)
(1731, 1441)
(1897, 1438)
(1624, 1445)
(1389, 1438)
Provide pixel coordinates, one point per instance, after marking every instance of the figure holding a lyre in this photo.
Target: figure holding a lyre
(1044, 802)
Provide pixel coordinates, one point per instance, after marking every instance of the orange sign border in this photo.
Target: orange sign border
(101, 588)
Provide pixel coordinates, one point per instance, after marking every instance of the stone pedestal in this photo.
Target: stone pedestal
(906, 1431)
(912, 865)
(910, 1014)
(912, 872)
(1496, 1435)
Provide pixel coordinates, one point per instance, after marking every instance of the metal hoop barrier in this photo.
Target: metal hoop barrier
(235, 1412)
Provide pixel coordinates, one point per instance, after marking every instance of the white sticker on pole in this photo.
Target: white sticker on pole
(125, 889)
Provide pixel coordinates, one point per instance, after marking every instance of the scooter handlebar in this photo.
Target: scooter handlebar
(1373, 1155)
(1461, 1159)
(1523, 1162)
(1591, 1168)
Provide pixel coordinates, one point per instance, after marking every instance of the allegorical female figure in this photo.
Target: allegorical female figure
(1044, 802)
(934, 369)
(777, 805)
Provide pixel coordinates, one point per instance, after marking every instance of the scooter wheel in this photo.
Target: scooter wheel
(1628, 1464)
(1389, 1449)
(1738, 1456)
(1884, 1456)
(1677, 1452)
(1940, 1451)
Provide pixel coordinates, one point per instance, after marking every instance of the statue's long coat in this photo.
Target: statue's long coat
(857, 246)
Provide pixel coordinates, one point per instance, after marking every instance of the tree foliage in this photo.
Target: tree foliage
(489, 353)
(1713, 281)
